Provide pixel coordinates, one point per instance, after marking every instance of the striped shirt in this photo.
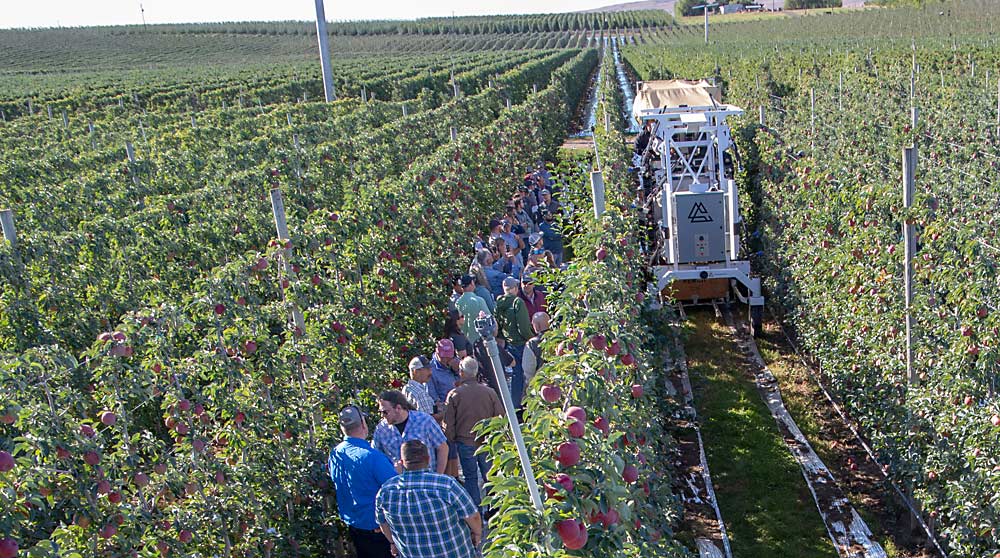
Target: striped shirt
(418, 396)
(426, 513)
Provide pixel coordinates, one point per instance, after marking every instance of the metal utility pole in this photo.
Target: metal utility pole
(485, 326)
(142, 13)
(705, 8)
(324, 52)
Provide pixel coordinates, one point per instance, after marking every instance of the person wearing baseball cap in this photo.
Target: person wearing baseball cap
(358, 471)
(470, 305)
(416, 390)
(444, 375)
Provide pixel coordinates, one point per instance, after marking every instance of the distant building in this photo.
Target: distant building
(731, 8)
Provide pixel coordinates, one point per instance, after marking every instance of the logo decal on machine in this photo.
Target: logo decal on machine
(699, 214)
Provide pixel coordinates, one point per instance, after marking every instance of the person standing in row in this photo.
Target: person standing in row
(400, 423)
(358, 472)
(515, 326)
(531, 360)
(467, 405)
(444, 371)
(427, 515)
(416, 390)
(470, 305)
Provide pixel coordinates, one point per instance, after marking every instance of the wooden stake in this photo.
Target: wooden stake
(7, 223)
(597, 192)
(281, 226)
(840, 92)
(909, 249)
(812, 116)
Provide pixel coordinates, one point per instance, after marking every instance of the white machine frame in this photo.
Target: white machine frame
(696, 164)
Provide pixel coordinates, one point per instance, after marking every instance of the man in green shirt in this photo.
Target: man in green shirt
(514, 326)
(470, 305)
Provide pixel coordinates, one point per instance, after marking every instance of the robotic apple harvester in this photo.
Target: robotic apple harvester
(686, 176)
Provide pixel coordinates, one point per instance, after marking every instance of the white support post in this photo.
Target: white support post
(454, 135)
(508, 104)
(455, 90)
(364, 93)
(705, 9)
(909, 249)
(49, 107)
(31, 108)
(812, 117)
(324, 52)
(597, 192)
(404, 110)
(194, 123)
(3, 115)
(485, 326)
(130, 152)
(93, 137)
(142, 130)
(288, 117)
(281, 226)
(913, 89)
(65, 118)
(7, 223)
(534, 88)
(761, 116)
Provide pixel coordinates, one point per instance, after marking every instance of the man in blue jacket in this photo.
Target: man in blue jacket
(358, 471)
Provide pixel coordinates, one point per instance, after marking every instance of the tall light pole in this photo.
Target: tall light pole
(324, 52)
(705, 8)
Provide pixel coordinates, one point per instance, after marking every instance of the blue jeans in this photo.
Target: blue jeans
(517, 380)
(472, 466)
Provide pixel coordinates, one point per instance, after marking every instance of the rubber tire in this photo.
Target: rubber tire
(756, 321)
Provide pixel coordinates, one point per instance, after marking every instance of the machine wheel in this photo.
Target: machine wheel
(756, 321)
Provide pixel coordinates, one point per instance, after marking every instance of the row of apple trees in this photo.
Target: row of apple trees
(200, 424)
(823, 183)
(592, 423)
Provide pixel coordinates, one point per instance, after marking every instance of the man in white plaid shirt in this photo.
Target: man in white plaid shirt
(416, 389)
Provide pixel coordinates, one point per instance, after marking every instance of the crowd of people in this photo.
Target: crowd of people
(400, 494)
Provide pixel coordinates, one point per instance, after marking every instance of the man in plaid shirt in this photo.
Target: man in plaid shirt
(415, 390)
(401, 423)
(427, 515)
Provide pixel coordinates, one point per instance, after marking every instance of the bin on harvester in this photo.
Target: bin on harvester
(686, 178)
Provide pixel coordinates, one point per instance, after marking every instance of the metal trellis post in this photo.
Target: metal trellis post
(324, 52)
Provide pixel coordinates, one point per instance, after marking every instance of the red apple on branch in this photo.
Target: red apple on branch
(551, 393)
(568, 454)
(8, 548)
(6, 461)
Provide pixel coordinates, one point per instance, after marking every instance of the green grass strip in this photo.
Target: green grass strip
(764, 500)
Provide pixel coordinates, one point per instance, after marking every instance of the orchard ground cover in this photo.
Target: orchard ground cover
(822, 187)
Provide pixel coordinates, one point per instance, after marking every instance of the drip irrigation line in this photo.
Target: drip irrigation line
(871, 454)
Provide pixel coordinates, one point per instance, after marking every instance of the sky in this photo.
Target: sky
(69, 13)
